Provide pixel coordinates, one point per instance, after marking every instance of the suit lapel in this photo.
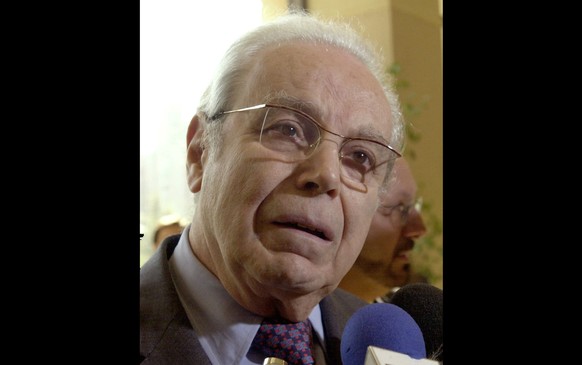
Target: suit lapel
(167, 336)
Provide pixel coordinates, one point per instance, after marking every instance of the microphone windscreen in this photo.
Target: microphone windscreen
(382, 325)
(424, 303)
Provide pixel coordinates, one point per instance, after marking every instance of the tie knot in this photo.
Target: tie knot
(290, 341)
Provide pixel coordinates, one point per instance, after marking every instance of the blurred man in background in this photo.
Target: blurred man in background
(384, 262)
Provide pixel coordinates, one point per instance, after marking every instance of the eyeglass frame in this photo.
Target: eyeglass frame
(318, 124)
(404, 210)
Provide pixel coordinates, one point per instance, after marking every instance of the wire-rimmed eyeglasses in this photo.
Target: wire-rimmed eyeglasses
(297, 135)
(402, 209)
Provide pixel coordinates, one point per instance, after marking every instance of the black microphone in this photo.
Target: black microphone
(382, 330)
(424, 303)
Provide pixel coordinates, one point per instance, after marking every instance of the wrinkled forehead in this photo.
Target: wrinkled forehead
(329, 83)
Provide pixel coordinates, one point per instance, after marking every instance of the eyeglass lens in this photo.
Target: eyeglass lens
(297, 136)
(404, 210)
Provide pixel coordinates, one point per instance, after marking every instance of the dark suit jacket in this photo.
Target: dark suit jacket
(166, 336)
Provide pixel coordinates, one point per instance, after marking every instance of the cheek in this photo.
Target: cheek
(383, 231)
(233, 188)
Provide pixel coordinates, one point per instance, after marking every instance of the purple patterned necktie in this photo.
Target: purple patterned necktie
(288, 341)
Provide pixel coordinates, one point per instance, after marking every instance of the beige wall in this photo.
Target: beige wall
(417, 42)
(272, 8)
(417, 47)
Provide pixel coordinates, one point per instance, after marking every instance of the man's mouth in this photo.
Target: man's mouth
(305, 228)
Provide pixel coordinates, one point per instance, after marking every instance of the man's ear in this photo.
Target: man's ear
(195, 151)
